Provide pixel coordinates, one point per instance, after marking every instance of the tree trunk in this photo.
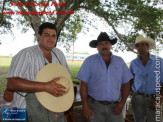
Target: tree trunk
(73, 51)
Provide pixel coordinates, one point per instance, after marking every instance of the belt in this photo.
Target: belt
(144, 94)
(102, 102)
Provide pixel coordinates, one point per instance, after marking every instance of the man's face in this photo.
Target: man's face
(142, 48)
(104, 47)
(47, 39)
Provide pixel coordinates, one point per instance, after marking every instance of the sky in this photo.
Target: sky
(12, 45)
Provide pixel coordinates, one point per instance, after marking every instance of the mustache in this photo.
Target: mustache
(103, 49)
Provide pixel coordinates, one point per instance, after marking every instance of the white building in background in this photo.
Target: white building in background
(76, 57)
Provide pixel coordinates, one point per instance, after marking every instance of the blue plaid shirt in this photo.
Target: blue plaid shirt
(147, 78)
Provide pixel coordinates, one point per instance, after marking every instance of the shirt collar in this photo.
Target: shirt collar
(151, 58)
(110, 53)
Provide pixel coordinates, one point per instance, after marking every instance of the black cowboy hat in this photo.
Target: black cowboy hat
(102, 37)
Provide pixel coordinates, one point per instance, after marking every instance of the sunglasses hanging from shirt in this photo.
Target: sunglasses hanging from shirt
(55, 56)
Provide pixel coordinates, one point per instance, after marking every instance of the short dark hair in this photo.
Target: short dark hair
(46, 25)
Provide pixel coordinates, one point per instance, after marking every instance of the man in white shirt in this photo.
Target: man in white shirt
(23, 70)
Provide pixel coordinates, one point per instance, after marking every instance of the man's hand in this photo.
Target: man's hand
(118, 108)
(55, 88)
(87, 112)
(155, 104)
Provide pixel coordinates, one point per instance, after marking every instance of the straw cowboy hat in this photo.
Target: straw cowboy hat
(102, 37)
(52, 103)
(141, 39)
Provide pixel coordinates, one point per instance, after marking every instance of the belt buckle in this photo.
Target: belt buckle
(104, 102)
(144, 94)
(148, 95)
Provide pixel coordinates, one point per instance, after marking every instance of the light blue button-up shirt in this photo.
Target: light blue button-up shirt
(147, 78)
(104, 84)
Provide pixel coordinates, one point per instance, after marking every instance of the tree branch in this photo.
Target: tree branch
(46, 6)
(35, 21)
(119, 36)
(3, 6)
(106, 15)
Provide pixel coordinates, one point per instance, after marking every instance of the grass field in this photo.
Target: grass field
(74, 67)
(6, 61)
(5, 64)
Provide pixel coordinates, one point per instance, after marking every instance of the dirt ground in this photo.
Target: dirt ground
(79, 118)
(77, 111)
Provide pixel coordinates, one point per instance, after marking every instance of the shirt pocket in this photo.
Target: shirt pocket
(116, 77)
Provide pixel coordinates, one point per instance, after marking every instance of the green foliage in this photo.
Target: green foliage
(5, 20)
(133, 17)
(72, 27)
(144, 16)
(74, 67)
(128, 18)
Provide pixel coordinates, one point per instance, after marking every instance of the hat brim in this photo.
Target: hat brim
(149, 42)
(52, 103)
(93, 43)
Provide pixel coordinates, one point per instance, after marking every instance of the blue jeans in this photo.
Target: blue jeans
(141, 109)
(103, 113)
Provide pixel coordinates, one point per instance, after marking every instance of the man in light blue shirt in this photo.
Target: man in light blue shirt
(105, 83)
(148, 78)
